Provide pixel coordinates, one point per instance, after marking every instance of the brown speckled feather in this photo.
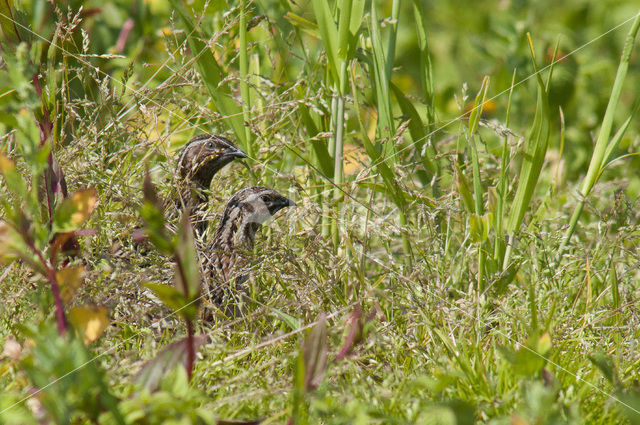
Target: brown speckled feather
(223, 259)
(199, 162)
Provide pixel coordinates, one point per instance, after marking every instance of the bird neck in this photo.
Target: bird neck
(235, 231)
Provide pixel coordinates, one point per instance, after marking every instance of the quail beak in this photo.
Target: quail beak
(282, 203)
(235, 153)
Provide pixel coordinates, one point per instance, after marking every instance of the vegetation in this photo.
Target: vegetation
(465, 245)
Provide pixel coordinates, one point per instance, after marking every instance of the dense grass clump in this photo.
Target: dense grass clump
(464, 247)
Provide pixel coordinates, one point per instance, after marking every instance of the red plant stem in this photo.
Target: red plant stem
(191, 352)
(55, 288)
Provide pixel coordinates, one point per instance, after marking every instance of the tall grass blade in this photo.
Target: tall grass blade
(426, 73)
(243, 58)
(535, 150)
(474, 120)
(419, 134)
(603, 142)
(501, 192)
(329, 33)
(381, 80)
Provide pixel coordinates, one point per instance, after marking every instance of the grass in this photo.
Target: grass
(483, 299)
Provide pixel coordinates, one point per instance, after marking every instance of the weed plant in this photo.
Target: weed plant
(465, 246)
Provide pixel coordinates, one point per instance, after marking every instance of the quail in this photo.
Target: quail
(222, 259)
(201, 158)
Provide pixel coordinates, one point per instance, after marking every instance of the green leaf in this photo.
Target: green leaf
(426, 75)
(478, 105)
(533, 159)
(151, 213)
(304, 24)
(174, 354)
(329, 33)
(15, 182)
(74, 211)
(464, 189)
(418, 133)
(188, 273)
(318, 146)
(175, 300)
(480, 226)
(7, 23)
(291, 321)
(381, 80)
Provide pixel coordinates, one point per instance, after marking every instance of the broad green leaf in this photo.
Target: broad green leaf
(395, 191)
(601, 151)
(74, 210)
(188, 271)
(464, 189)
(15, 182)
(7, 23)
(291, 321)
(344, 27)
(480, 226)
(173, 355)
(318, 146)
(175, 300)
(478, 105)
(426, 74)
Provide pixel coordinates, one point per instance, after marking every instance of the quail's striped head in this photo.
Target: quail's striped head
(204, 156)
(244, 214)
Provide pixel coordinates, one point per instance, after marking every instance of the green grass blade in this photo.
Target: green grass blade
(426, 73)
(599, 153)
(385, 117)
(418, 133)
(329, 33)
(535, 150)
(499, 246)
(244, 84)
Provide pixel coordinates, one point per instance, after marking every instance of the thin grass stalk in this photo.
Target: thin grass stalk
(382, 66)
(426, 76)
(381, 80)
(598, 158)
(499, 246)
(244, 85)
(393, 35)
(338, 152)
(254, 95)
(384, 170)
(474, 119)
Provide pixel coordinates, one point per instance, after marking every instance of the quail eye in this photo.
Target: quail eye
(209, 145)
